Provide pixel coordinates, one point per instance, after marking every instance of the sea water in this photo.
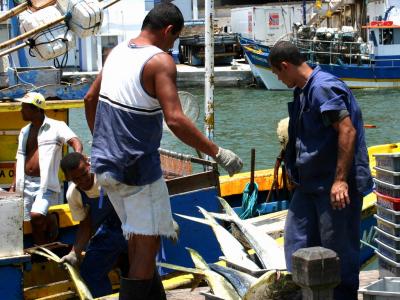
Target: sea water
(246, 118)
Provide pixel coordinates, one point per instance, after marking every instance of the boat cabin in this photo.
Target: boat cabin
(384, 42)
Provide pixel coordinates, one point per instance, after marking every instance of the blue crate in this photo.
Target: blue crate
(388, 239)
(387, 189)
(388, 161)
(387, 176)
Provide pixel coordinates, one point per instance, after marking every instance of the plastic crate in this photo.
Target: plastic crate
(387, 176)
(387, 188)
(388, 252)
(387, 201)
(383, 289)
(387, 239)
(388, 161)
(387, 267)
(388, 214)
(388, 227)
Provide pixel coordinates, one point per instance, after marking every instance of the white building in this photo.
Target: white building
(121, 21)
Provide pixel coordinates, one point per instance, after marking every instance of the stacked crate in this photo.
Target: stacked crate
(387, 184)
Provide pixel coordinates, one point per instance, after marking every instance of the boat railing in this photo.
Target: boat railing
(334, 52)
(341, 52)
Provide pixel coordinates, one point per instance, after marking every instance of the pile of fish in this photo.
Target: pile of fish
(244, 277)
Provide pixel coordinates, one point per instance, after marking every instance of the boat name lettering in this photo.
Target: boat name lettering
(4, 172)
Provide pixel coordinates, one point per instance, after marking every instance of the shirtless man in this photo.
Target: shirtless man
(38, 160)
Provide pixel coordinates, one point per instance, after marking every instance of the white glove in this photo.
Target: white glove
(229, 161)
(70, 258)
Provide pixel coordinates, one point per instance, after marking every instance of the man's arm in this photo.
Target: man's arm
(166, 92)
(76, 144)
(91, 99)
(346, 144)
(159, 79)
(83, 235)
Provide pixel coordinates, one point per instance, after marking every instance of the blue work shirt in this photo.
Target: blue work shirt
(311, 153)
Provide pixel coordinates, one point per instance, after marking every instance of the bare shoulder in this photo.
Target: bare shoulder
(161, 62)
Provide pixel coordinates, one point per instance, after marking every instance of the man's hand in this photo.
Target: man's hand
(70, 258)
(229, 161)
(12, 188)
(340, 194)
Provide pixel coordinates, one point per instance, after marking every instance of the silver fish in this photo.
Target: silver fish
(240, 281)
(230, 246)
(270, 254)
(218, 284)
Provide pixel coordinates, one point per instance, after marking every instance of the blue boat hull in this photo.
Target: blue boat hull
(355, 76)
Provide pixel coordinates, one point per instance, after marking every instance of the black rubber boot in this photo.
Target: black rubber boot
(157, 291)
(132, 289)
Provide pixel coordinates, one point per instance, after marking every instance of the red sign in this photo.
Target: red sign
(273, 20)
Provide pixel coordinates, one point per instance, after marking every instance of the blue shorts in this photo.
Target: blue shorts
(35, 200)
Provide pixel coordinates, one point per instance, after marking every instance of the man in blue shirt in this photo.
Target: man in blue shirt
(327, 160)
(99, 231)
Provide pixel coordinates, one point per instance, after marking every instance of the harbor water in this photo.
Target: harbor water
(246, 118)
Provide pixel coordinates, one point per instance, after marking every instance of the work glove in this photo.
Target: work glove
(70, 258)
(229, 161)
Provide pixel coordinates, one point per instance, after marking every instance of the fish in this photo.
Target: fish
(230, 246)
(81, 288)
(218, 284)
(240, 280)
(271, 256)
(277, 285)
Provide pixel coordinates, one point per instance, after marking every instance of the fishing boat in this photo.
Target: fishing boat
(342, 52)
(27, 276)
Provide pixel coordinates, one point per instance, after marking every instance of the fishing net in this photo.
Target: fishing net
(175, 164)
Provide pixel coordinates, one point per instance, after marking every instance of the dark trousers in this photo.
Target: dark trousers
(311, 221)
(103, 251)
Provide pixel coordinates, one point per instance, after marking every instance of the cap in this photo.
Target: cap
(36, 99)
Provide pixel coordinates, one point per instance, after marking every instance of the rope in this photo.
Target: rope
(249, 202)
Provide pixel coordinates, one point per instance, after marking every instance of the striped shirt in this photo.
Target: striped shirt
(128, 125)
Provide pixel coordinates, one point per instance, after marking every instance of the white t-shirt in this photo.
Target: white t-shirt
(52, 136)
(78, 211)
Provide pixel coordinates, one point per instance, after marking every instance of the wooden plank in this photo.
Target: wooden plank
(272, 224)
(192, 182)
(50, 291)
(185, 294)
(366, 278)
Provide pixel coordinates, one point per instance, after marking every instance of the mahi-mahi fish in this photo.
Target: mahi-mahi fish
(81, 288)
(240, 281)
(270, 254)
(218, 284)
(230, 246)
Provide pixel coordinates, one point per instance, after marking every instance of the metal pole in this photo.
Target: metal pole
(209, 70)
(195, 10)
(304, 12)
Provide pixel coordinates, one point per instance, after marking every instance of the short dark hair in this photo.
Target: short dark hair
(163, 15)
(285, 51)
(71, 161)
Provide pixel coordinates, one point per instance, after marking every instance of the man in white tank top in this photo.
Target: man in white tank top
(124, 108)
